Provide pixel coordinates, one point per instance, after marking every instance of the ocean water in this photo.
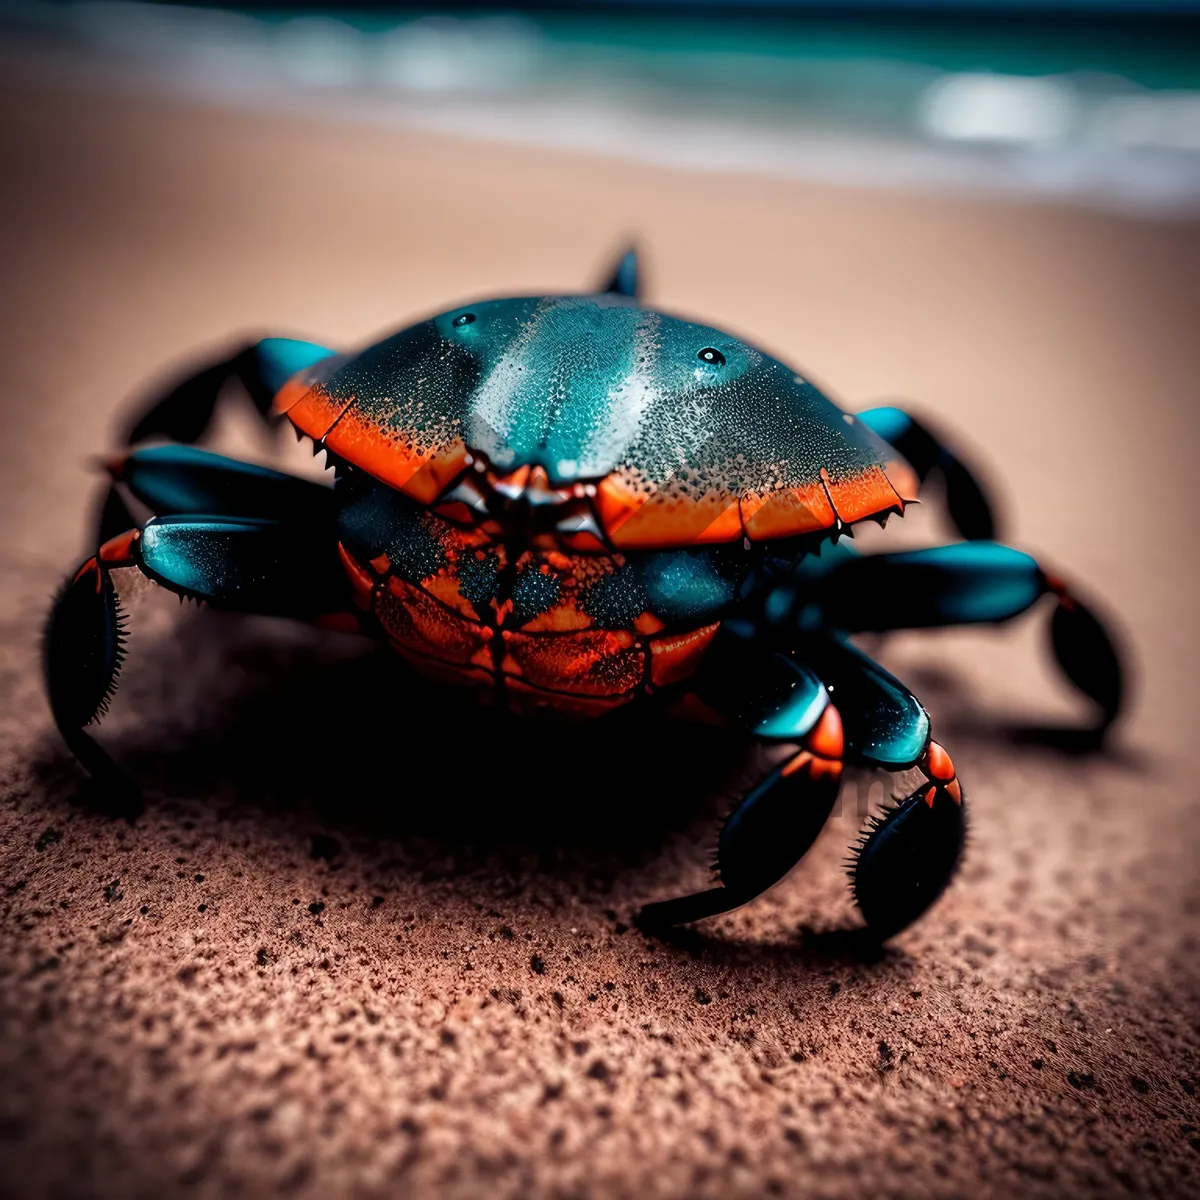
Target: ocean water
(1099, 114)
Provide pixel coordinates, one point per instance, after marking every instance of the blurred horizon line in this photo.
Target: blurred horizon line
(1110, 123)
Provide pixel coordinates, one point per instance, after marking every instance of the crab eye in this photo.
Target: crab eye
(462, 319)
(714, 358)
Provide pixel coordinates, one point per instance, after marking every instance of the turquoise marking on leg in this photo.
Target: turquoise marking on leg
(198, 557)
(186, 479)
(271, 567)
(978, 581)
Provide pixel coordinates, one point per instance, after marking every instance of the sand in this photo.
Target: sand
(362, 942)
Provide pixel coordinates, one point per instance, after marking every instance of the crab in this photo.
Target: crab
(570, 504)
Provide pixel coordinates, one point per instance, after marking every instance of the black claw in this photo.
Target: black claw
(1087, 656)
(907, 859)
(82, 648)
(773, 828)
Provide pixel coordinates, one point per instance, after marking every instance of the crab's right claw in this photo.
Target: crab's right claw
(1087, 654)
(82, 648)
(907, 857)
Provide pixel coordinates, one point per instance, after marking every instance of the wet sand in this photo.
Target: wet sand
(364, 942)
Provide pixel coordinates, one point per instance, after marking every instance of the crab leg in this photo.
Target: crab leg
(188, 480)
(177, 482)
(970, 509)
(243, 563)
(962, 584)
(625, 278)
(185, 410)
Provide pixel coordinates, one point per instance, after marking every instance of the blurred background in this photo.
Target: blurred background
(1096, 101)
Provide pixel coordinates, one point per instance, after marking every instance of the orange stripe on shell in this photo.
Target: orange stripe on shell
(633, 521)
(630, 517)
(420, 472)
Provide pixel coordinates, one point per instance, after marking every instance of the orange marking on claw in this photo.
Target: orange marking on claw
(676, 657)
(816, 766)
(938, 765)
(118, 551)
(954, 791)
(826, 738)
(90, 565)
(822, 767)
(929, 796)
(797, 763)
(382, 564)
(1060, 590)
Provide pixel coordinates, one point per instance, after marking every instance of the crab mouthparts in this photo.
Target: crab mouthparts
(523, 502)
